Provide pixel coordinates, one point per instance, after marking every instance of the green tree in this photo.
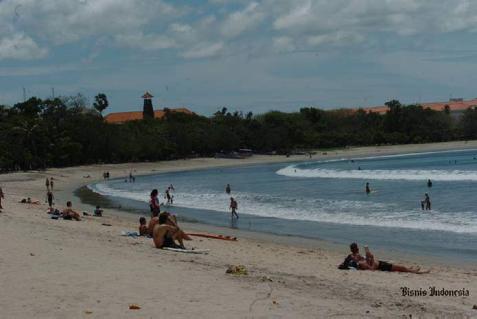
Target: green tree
(100, 102)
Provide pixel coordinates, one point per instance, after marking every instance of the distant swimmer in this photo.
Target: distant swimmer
(429, 183)
(234, 207)
(227, 189)
(426, 203)
(359, 168)
(368, 190)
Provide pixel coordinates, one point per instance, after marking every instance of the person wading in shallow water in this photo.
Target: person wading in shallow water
(368, 190)
(227, 189)
(426, 203)
(234, 207)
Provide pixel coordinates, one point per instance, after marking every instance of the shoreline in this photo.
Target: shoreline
(95, 273)
(389, 252)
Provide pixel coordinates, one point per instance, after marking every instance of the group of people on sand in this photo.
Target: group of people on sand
(106, 175)
(356, 261)
(163, 227)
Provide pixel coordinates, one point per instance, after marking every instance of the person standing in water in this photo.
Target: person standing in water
(426, 203)
(168, 196)
(429, 183)
(368, 190)
(227, 189)
(234, 207)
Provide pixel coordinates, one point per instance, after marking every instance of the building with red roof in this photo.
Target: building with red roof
(122, 117)
(456, 106)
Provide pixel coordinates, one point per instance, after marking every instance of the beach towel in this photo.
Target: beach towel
(188, 251)
(130, 233)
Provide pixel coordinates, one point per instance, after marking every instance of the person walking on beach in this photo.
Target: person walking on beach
(49, 198)
(227, 189)
(1, 197)
(429, 183)
(426, 203)
(368, 190)
(51, 184)
(234, 207)
(47, 184)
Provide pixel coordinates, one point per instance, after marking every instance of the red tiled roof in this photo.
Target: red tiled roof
(122, 117)
(436, 106)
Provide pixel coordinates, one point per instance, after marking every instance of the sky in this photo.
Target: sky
(244, 55)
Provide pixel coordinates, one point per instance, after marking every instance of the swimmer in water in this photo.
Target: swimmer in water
(368, 190)
(227, 189)
(429, 183)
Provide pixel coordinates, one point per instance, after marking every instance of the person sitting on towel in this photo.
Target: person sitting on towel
(165, 235)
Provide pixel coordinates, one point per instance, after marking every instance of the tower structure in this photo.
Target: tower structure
(148, 110)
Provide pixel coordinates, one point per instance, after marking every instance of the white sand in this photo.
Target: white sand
(66, 269)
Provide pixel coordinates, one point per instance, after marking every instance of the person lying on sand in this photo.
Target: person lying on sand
(69, 213)
(29, 201)
(352, 260)
(165, 235)
(370, 263)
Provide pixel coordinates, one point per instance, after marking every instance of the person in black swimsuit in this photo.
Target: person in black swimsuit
(164, 235)
(370, 263)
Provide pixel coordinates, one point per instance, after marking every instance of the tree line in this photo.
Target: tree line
(66, 131)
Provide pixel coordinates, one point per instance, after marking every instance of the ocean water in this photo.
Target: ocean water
(327, 200)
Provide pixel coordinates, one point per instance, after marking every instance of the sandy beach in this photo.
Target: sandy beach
(66, 269)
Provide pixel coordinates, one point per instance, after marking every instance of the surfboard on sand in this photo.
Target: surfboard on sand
(188, 251)
(213, 236)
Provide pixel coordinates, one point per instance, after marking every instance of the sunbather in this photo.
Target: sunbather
(164, 235)
(171, 221)
(69, 213)
(370, 263)
(30, 201)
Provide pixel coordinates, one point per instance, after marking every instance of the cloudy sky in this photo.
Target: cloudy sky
(246, 55)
